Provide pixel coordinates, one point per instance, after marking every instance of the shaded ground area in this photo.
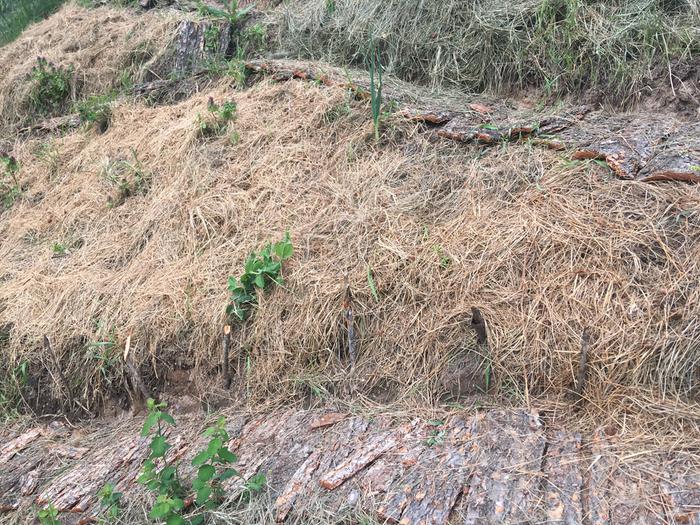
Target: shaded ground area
(484, 468)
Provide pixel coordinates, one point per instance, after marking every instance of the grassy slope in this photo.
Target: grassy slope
(16, 15)
(563, 46)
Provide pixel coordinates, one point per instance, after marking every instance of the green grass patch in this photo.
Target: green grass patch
(561, 46)
(15, 15)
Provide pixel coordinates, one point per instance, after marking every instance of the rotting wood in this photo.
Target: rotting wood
(349, 324)
(138, 391)
(563, 479)
(478, 325)
(52, 125)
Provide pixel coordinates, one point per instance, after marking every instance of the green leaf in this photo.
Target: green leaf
(168, 473)
(201, 458)
(206, 472)
(229, 473)
(203, 495)
(159, 446)
(256, 483)
(260, 281)
(214, 446)
(197, 520)
(372, 285)
(150, 422)
(284, 250)
(198, 484)
(227, 456)
(167, 418)
(178, 504)
(175, 519)
(159, 510)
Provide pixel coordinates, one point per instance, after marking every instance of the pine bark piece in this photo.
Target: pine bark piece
(433, 477)
(507, 453)
(296, 486)
(327, 420)
(597, 493)
(429, 116)
(680, 494)
(370, 451)
(677, 159)
(18, 444)
(564, 482)
(629, 149)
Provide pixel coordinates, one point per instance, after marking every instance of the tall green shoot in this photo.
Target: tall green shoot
(375, 87)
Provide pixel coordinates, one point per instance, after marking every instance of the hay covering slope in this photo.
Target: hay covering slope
(106, 48)
(542, 246)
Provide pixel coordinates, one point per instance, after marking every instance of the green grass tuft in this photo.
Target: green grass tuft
(15, 15)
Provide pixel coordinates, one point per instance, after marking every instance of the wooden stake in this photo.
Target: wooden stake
(582, 366)
(225, 364)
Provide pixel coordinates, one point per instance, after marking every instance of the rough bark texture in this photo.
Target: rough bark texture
(483, 468)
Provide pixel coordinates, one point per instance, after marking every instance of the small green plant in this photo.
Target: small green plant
(157, 474)
(445, 260)
(49, 515)
(372, 284)
(110, 502)
(213, 465)
(12, 384)
(330, 7)
(128, 177)
(255, 38)
(51, 86)
(10, 188)
(218, 118)
(232, 13)
(96, 111)
(261, 270)
(59, 249)
(106, 356)
(375, 87)
(212, 37)
(437, 435)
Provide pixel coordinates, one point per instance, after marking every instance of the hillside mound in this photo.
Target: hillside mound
(425, 271)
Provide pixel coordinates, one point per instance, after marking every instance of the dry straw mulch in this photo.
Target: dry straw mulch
(542, 246)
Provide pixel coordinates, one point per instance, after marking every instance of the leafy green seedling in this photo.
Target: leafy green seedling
(49, 515)
(110, 502)
(261, 270)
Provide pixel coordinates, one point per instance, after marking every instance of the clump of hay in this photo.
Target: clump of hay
(564, 46)
(104, 48)
(542, 246)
